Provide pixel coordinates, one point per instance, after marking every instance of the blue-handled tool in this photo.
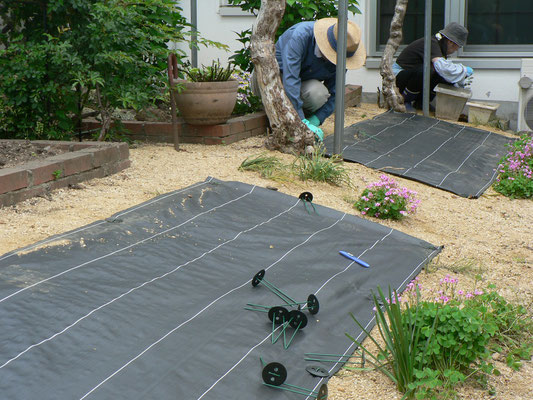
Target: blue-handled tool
(354, 258)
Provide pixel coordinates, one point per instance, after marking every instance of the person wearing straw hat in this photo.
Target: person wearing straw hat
(409, 66)
(307, 54)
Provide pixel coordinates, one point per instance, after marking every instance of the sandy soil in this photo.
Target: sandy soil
(491, 236)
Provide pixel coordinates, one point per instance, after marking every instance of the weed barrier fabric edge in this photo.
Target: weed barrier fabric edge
(150, 303)
(448, 156)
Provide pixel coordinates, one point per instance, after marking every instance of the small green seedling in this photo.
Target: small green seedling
(57, 174)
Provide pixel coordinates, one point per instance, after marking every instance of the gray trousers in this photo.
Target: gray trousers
(313, 94)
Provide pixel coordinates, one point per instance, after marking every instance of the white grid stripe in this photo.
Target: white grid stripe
(144, 284)
(434, 151)
(379, 133)
(401, 144)
(206, 307)
(123, 248)
(459, 167)
(321, 287)
(409, 277)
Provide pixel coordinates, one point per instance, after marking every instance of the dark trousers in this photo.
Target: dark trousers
(413, 81)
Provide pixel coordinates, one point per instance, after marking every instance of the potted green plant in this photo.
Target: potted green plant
(208, 95)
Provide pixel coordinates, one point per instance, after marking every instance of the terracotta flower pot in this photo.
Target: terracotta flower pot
(206, 103)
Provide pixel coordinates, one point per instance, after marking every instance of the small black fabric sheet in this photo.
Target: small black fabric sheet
(452, 157)
(151, 302)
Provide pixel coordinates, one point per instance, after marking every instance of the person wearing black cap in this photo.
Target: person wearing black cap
(409, 66)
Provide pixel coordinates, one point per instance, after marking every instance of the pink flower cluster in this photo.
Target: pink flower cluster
(379, 198)
(518, 162)
(449, 291)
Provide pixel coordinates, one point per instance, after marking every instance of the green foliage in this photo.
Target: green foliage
(213, 73)
(386, 200)
(267, 166)
(515, 178)
(101, 54)
(295, 11)
(318, 168)
(33, 106)
(314, 167)
(401, 332)
(430, 347)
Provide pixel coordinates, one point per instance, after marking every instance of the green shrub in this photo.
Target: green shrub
(515, 178)
(295, 11)
(430, 346)
(101, 54)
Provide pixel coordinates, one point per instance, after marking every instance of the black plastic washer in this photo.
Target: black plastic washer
(278, 314)
(317, 371)
(306, 196)
(312, 304)
(274, 374)
(298, 319)
(258, 278)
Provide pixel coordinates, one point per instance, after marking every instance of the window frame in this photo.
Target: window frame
(454, 10)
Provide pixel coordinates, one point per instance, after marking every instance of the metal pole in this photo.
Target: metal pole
(427, 57)
(194, 37)
(340, 83)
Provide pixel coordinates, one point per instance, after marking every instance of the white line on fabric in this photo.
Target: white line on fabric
(209, 305)
(349, 265)
(401, 144)
(379, 133)
(55, 238)
(144, 284)
(237, 363)
(434, 151)
(124, 248)
(487, 184)
(409, 277)
(325, 283)
(459, 167)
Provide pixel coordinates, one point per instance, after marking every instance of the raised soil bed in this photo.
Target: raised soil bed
(77, 162)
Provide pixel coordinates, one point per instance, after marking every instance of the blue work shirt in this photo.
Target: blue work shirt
(295, 52)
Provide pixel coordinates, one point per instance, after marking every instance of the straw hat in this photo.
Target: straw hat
(455, 32)
(325, 31)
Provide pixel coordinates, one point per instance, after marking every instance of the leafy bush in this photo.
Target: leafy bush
(101, 54)
(295, 11)
(386, 200)
(432, 345)
(515, 178)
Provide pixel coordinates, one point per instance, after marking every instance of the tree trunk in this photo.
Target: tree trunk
(289, 134)
(105, 115)
(392, 99)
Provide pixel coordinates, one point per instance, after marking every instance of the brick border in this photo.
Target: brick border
(233, 130)
(81, 162)
(88, 160)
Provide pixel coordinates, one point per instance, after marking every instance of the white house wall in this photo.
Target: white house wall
(497, 85)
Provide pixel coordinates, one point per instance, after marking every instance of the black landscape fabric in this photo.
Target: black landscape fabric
(150, 303)
(452, 157)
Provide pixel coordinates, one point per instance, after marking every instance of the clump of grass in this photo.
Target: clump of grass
(318, 168)
(267, 166)
(312, 167)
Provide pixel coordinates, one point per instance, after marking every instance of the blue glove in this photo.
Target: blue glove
(316, 130)
(313, 120)
(469, 71)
